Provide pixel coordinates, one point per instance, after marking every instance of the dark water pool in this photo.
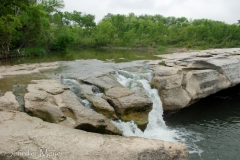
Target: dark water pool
(216, 120)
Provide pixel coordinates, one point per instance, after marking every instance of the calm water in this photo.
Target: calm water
(216, 122)
(100, 54)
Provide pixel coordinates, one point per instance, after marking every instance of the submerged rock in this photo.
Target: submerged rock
(21, 134)
(53, 102)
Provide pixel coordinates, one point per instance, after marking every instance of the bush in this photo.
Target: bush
(28, 52)
(61, 42)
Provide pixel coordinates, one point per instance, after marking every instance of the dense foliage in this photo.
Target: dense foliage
(28, 26)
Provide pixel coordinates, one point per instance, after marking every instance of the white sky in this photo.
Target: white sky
(222, 10)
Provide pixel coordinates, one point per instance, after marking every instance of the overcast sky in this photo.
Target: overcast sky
(222, 10)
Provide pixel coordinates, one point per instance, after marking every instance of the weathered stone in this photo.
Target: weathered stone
(164, 71)
(104, 82)
(22, 133)
(87, 119)
(206, 72)
(99, 104)
(26, 68)
(40, 103)
(230, 67)
(201, 83)
(129, 105)
(54, 102)
(8, 102)
(118, 92)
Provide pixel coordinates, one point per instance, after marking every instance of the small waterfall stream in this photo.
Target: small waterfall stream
(156, 128)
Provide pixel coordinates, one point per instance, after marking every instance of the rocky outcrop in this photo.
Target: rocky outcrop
(184, 78)
(128, 105)
(53, 102)
(30, 138)
(8, 102)
(26, 68)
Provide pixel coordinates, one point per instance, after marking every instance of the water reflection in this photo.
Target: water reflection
(100, 54)
(217, 119)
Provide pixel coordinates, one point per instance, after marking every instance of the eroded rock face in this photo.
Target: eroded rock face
(184, 78)
(22, 133)
(53, 102)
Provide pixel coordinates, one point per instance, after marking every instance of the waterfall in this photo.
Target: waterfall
(156, 128)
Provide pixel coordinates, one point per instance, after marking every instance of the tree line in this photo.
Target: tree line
(29, 27)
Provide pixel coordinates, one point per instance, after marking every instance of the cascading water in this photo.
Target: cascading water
(156, 128)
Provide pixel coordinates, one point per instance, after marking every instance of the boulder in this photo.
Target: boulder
(53, 102)
(30, 138)
(104, 82)
(99, 104)
(87, 119)
(170, 88)
(129, 105)
(8, 102)
(41, 101)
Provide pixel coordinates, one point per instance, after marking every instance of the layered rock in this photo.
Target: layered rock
(128, 105)
(99, 104)
(30, 138)
(184, 78)
(26, 68)
(55, 103)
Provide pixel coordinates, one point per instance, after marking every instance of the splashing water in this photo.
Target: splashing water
(156, 128)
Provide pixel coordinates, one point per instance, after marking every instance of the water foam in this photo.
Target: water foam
(156, 128)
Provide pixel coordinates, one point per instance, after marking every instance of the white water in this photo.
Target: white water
(156, 128)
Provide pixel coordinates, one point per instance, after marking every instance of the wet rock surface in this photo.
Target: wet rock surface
(21, 134)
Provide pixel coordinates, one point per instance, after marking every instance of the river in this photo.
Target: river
(210, 128)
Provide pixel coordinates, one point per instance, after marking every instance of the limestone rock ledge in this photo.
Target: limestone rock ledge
(55, 103)
(23, 69)
(30, 138)
(184, 78)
